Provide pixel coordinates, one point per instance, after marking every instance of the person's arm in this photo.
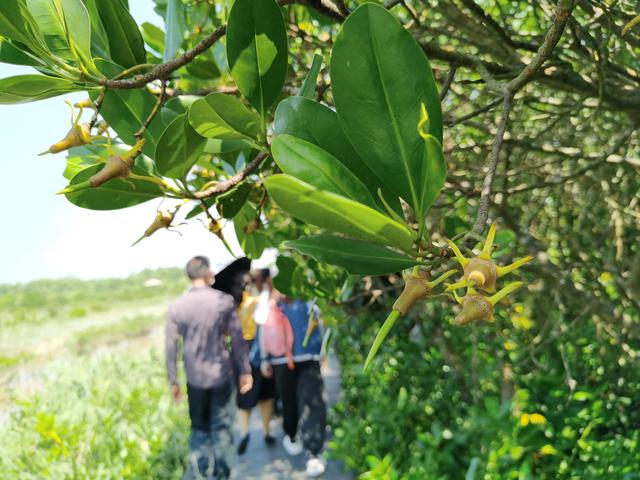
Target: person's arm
(172, 336)
(239, 352)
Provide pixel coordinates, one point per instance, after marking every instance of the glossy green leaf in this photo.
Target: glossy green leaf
(257, 51)
(99, 39)
(153, 36)
(10, 53)
(224, 117)
(380, 77)
(434, 172)
(355, 256)
(203, 69)
(78, 29)
(285, 280)
(254, 243)
(175, 27)
(336, 213)
(178, 148)
(51, 27)
(216, 146)
(319, 168)
(125, 40)
(114, 194)
(318, 124)
(308, 88)
(29, 88)
(230, 203)
(17, 23)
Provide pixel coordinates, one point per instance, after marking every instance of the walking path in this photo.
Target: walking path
(272, 463)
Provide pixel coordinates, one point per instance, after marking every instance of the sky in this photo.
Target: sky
(42, 235)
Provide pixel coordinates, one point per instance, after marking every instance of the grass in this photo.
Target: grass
(106, 418)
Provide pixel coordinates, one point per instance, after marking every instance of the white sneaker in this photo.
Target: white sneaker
(316, 466)
(292, 447)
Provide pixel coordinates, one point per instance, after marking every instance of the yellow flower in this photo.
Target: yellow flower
(518, 308)
(524, 419)
(537, 419)
(547, 450)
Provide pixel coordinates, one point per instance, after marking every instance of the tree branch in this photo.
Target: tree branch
(165, 69)
(562, 13)
(226, 185)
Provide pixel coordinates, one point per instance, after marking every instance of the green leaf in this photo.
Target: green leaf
(153, 36)
(203, 69)
(355, 256)
(319, 168)
(254, 243)
(9, 53)
(224, 117)
(308, 88)
(178, 149)
(29, 88)
(434, 172)
(336, 213)
(175, 27)
(315, 123)
(99, 39)
(78, 29)
(284, 282)
(17, 23)
(257, 51)
(125, 40)
(380, 78)
(216, 146)
(79, 158)
(114, 194)
(231, 202)
(51, 28)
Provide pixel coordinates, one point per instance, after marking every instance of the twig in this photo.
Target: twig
(165, 69)
(562, 13)
(446, 85)
(156, 108)
(225, 186)
(98, 105)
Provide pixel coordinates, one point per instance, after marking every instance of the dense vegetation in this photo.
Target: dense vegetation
(525, 116)
(84, 391)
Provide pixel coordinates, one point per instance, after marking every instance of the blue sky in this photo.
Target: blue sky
(44, 236)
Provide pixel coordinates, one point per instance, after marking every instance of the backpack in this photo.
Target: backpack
(277, 335)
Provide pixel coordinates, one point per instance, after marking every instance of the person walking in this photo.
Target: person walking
(253, 314)
(202, 318)
(300, 386)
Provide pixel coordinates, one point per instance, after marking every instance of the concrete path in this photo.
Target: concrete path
(272, 463)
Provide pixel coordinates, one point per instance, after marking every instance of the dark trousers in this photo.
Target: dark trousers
(303, 404)
(211, 445)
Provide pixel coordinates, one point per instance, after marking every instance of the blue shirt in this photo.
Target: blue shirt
(298, 313)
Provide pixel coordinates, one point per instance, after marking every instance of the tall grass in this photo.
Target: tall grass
(103, 418)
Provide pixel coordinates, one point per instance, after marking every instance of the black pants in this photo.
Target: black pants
(303, 404)
(211, 446)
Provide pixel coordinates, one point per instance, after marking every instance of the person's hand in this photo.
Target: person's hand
(245, 383)
(176, 393)
(266, 369)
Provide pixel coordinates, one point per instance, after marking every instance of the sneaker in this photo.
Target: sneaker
(316, 466)
(292, 447)
(269, 440)
(244, 443)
